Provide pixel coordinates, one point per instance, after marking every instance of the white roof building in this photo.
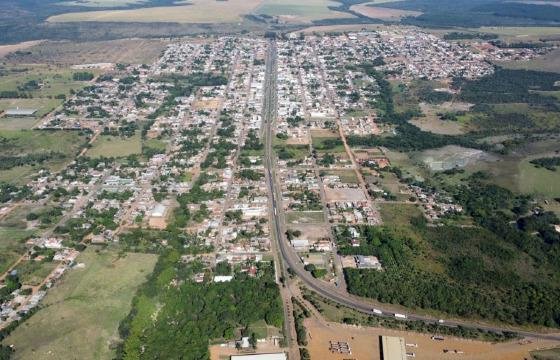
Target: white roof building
(273, 356)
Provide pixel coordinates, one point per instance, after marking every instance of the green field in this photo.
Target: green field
(12, 245)
(81, 314)
(33, 272)
(113, 146)
(25, 142)
(539, 181)
(43, 106)
(305, 217)
(346, 176)
(398, 214)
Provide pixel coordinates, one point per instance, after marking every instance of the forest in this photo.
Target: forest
(190, 315)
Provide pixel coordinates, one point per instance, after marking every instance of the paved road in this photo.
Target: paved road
(290, 257)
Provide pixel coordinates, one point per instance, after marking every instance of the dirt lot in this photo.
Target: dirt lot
(212, 104)
(312, 232)
(382, 13)
(344, 194)
(364, 344)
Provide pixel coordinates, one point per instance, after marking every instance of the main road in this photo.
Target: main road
(290, 258)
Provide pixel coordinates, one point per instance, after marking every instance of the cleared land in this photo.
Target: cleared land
(133, 51)
(301, 11)
(200, 11)
(305, 217)
(113, 146)
(398, 214)
(80, 316)
(11, 245)
(7, 49)
(376, 12)
(364, 343)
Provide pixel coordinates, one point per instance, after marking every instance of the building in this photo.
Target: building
(17, 112)
(272, 356)
(393, 348)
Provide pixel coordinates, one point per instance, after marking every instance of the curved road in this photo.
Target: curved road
(291, 258)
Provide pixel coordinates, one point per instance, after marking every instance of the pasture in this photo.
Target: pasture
(12, 245)
(114, 146)
(198, 11)
(549, 62)
(396, 214)
(80, 315)
(382, 13)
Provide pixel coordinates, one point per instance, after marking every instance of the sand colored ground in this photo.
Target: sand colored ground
(382, 13)
(212, 104)
(201, 11)
(6, 49)
(364, 344)
(344, 194)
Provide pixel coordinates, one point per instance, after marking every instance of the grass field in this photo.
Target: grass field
(346, 176)
(549, 354)
(34, 272)
(11, 245)
(538, 181)
(52, 80)
(200, 11)
(300, 11)
(104, 3)
(305, 217)
(131, 51)
(43, 106)
(82, 312)
(398, 214)
(382, 13)
(34, 141)
(112, 146)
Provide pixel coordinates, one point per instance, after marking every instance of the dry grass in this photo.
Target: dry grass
(201, 11)
(383, 13)
(6, 49)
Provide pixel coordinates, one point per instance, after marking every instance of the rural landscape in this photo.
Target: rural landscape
(280, 179)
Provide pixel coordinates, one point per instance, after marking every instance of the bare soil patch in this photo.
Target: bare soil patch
(344, 194)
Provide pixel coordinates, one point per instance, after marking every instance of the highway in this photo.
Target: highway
(291, 259)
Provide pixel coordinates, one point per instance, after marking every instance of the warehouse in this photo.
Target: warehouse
(17, 112)
(274, 356)
(392, 348)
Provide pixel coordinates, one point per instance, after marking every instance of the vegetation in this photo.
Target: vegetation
(550, 163)
(190, 314)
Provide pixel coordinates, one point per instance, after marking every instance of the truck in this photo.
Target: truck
(377, 311)
(400, 316)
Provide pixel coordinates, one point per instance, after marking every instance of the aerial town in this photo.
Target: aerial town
(238, 171)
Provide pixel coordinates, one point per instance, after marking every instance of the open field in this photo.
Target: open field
(7, 49)
(40, 80)
(300, 11)
(133, 51)
(548, 62)
(32, 272)
(65, 144)
(103, 3)
(43, 106)
(548, 354)
(114, 146)
(398, 214)
(200, 11)
(11, 245)
(364, 344)
(305, 217)
(538, 181)
(81, 314)
(520, 32)
(346, 176)
(339, 28)
(382, 13)
(344, 194)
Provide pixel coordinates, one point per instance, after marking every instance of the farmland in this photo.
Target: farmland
(199, 11)
(81, 314)
(382, 12)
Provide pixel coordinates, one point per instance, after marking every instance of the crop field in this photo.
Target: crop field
(114, 146)
(81, 314)
(131, 51)
(300, 11)
(199, 11)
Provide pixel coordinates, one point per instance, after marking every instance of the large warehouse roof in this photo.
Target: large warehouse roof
(275, 356)
(393, 348)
